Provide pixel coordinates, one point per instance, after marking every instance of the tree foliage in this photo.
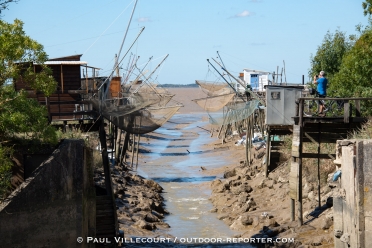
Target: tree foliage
(21, 116)
(329, 54)
(18, 54)
(367, 7)
(5, 170)
(4, 4)
(355, 74)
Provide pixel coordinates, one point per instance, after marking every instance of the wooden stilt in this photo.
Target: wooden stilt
(105, 159)
(246, 142)
(117, 146)
(125, 147)
(138, 141)
(268, 146)
(133, 144)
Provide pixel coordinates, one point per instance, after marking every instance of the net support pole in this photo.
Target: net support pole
(133, 144)
(117, 146)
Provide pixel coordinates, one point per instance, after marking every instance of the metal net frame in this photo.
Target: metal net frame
(235, 113)
(147, 119)
(214, 103)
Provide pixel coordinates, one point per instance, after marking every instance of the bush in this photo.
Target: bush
(5, 171)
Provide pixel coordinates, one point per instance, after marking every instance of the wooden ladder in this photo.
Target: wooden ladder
(105, 220)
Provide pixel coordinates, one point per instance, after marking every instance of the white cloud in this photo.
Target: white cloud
(143, 19)
(244, 14)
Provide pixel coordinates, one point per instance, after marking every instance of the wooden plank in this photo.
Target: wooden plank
(293, 180)
(315, 155)
(281, 132)
(339, 98)
(75, 113)
(308, 120)
(296, 141)
(326, 136)
(322, 140)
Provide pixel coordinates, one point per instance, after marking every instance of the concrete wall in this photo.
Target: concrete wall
(55, 205)
(353, 203)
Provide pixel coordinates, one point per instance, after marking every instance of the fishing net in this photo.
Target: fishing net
(137, 111)
(234, 113)
(214, 103)
(147, 119)
(125, 104)
(210, 86)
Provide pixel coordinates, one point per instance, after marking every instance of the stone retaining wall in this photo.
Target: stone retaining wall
(55, 205)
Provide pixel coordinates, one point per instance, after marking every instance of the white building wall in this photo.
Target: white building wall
(263, 78)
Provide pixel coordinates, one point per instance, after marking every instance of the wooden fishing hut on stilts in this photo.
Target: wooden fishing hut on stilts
(318, 130)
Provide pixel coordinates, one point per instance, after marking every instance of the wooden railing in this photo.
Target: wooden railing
(348, 107)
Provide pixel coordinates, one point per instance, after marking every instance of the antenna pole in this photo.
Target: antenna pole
(225, 79)
(239, 81)
(117, 65)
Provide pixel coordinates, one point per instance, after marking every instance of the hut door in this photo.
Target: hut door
(254, 81)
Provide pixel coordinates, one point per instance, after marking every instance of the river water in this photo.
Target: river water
(174, 161)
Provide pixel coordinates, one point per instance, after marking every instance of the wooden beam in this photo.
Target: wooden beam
(322, 155)
(339, 99)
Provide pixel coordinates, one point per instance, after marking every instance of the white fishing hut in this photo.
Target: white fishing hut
(255, 78)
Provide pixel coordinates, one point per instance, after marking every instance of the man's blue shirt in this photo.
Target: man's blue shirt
(322, 86)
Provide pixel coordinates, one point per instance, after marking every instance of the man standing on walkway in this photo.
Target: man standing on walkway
(321, 83)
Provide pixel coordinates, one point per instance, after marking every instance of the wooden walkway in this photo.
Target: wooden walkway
(318, 130)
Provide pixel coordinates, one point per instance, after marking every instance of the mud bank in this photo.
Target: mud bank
(260, 207)
(140, 205)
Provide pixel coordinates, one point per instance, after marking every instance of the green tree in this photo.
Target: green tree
(4, 4)
(19, 115)
(18, 54)
(354, 77)
(367, 7)
(329, 54)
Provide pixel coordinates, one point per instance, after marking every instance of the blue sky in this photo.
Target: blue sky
(256, 34)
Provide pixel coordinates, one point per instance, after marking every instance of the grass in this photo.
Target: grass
(365, 132)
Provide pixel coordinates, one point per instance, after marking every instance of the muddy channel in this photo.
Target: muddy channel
(181, 157)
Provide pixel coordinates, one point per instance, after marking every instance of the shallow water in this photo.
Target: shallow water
(175, 161)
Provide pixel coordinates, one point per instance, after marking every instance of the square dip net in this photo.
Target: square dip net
(137, 110)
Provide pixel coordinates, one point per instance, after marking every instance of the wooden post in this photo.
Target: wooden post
(268, 146)
(117, 146)
(357, 108)
(138, 141)
(246, 142)
(62, 78)
(301, 125)
(319, 202)
(133, 145)
(125, 147)
(346, 111)
(105, 159)
(86, 79)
